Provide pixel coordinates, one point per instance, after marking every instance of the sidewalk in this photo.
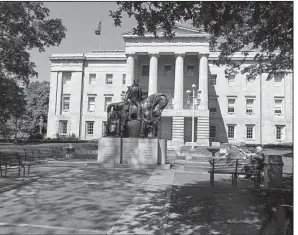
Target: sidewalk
(147, 212)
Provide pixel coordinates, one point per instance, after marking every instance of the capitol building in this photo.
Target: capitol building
(231, 110)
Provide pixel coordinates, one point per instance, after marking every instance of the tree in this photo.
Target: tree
(264, 27)
(13, 108)
(37, 105)
(23, 26)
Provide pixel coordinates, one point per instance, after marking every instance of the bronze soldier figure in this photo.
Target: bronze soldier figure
(134, 95)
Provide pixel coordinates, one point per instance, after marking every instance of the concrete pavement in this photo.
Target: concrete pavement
(88, 200)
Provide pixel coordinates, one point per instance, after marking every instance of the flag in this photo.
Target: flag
(98, 29)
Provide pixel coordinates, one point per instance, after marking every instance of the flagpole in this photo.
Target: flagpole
(98, 32)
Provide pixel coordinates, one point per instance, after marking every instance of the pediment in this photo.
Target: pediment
(179, 29)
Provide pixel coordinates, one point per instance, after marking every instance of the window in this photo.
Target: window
(65, 103)
(231, 131)
(212, 132)
(190, 70)
(89, 128)
(168, 70)
(249, 79)
(278, 103)
(123, 94)
(63, 127)
(123, 79)
(249, 106)
(108, 100)
(91, 104)
(231, 105)
(231, 80)
(279, 132)
(145, 70)
(109, 78)
(212, 110)
(66, 77)
(249, 131)
(213, 79)
(92, 78)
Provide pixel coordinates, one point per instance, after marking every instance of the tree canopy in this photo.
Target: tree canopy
(29, 105)
(263, 27)
(23, 27)
(37, 105)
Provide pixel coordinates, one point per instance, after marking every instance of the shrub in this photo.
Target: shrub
(36, 136)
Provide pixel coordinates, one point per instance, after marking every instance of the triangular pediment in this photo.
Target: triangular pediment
(179, 29)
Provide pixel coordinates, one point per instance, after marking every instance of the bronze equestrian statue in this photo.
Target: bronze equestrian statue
(135, 111)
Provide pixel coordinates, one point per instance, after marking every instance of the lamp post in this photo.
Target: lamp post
(195, 101)
(40, 124)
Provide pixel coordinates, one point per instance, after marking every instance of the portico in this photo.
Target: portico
(169, 65)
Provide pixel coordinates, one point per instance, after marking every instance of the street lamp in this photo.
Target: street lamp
(40, 124)
(195, 101)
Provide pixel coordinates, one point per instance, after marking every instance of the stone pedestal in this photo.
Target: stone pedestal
(132, 152)
(109, 151)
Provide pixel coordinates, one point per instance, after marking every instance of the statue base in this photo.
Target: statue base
(131, 152)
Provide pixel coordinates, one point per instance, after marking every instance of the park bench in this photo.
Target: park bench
(15, 161)
(30, 153)
(234, 168)
(58, 153)
(42, 155)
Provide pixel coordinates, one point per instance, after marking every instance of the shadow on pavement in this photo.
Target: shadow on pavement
(81, 198)
(198, 208)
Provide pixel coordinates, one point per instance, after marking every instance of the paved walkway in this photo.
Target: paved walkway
(147, 213)
(88, 200)
(76, 201)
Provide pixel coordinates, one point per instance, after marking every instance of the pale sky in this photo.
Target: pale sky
(80, 20)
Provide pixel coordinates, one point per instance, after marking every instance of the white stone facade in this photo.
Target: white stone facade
(260, 110)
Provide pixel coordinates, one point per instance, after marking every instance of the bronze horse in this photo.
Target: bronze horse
(151, 109)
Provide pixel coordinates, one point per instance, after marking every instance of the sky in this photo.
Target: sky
(80, 20)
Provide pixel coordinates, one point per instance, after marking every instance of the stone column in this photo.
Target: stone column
(136, 68)
(179, 72)
(203, 112)
(153, 69)
(130, 69)
(203, 81)
(59, 94)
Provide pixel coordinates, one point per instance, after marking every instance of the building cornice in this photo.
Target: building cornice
(191, 35)
(95, 55)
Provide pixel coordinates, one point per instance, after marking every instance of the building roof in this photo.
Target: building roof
(181, 30)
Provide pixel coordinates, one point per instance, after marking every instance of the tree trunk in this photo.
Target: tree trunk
(16, 131)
